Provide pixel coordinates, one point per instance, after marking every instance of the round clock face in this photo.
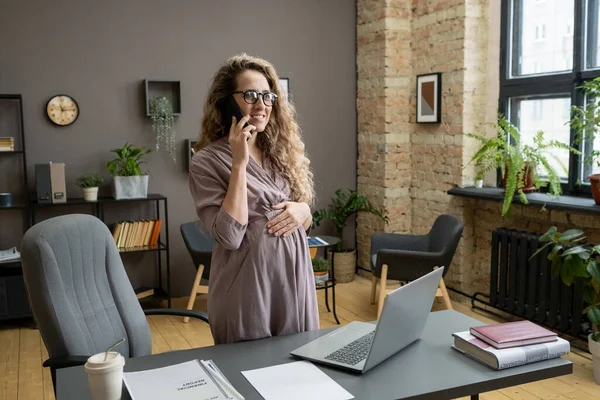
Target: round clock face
(62, 110)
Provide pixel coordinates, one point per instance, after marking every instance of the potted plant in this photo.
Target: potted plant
(89, 183)
(128, 179)
(320, 270)
(585, 122)
(343, 205)
(524, 168)
(163, 124)
(572, 257)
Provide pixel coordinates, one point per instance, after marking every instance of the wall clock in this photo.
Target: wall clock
(62, 109)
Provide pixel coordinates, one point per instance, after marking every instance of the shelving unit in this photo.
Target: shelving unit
(161, 88)
(161, 249)
(13, 296)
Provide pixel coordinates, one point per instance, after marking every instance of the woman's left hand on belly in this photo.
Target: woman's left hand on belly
(294, 216)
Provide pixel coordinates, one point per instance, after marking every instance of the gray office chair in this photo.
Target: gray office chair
(199, 245)
(408, 257)
(79, 293)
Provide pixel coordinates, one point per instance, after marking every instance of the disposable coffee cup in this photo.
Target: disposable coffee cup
(105, 376)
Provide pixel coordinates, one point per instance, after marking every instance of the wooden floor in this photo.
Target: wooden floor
(22, 351)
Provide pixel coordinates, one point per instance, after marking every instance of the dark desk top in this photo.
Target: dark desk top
(427, 369)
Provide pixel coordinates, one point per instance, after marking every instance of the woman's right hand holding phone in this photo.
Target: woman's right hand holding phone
(238, 141)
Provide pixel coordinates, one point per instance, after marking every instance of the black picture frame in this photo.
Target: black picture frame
(429, 98)
(189, 151)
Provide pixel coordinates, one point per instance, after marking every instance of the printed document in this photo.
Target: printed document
(186, 381)
(299, 380)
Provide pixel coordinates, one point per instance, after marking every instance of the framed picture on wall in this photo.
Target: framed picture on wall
(285, 86)
(429, 98)
(189, 148)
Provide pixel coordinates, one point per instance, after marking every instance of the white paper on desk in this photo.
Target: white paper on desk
(298, 380)
(185, 381)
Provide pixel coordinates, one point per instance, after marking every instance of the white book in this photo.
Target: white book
(509, 357)
(10, 255)
(191, 380)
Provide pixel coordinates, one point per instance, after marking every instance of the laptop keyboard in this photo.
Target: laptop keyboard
(354, 352)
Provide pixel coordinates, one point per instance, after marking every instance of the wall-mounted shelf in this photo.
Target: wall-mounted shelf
(159, 88)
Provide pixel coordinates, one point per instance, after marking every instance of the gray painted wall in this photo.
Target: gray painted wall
(99, 53)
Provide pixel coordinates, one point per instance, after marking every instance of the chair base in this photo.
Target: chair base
(441, 291)
(197, 288)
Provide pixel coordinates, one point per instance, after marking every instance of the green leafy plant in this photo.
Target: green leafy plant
(89, 181)
(572, 257)
(128, 161)
(523, 167)
(163, 124)
(343, 205)
(320, 264)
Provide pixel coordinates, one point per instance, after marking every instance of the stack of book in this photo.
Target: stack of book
(7, 144)
(132, 235)
(510, 344)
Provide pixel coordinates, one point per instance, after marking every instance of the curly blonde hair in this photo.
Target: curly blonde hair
(280, 142)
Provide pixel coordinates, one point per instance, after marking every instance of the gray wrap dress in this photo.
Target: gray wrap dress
(261, 285)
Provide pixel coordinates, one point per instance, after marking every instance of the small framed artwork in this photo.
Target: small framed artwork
(429, 98)
(190, 144)
(285, 86)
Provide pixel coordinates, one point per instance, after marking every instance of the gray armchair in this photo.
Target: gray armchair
(408, 257)
(199, 245)
(79, 293)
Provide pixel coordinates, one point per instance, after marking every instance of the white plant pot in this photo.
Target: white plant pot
(130, 187)
(90, 194)
(321, 279)
(595, 350)
(479, 183)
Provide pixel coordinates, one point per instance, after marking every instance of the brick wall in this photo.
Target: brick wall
(407, 167)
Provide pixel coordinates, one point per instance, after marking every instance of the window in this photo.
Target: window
(549, 49)
(540, 32)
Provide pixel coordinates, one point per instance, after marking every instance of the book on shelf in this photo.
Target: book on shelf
(499, 359)
(196, 379)
(9, 255)
(137, 234)
(316, 241)
(513, 334)
(7, 144)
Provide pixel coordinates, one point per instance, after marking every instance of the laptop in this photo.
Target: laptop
(360, 346)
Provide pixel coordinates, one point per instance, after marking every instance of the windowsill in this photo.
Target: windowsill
(564, 203)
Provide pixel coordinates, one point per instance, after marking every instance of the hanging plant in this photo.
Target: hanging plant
(163, 124)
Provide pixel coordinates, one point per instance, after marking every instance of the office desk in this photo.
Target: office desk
(427, 369)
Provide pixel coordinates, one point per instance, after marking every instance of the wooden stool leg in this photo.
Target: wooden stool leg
(382, 291)
(190, 304)
(445, 295)
(373, 289)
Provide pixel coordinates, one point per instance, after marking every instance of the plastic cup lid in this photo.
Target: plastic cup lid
(96, 362)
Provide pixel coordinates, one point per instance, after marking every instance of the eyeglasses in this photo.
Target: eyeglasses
(251, 97)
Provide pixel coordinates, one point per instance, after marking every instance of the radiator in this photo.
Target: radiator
(522, 286)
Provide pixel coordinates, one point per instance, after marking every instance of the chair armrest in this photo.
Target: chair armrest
(179, 312)
(407, 265)
(65, 361)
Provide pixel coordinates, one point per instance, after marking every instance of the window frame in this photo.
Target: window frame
(549, 84)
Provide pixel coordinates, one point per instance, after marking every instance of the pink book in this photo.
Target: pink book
(513, 334)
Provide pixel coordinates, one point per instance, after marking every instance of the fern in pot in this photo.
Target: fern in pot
(524, 167)
(345, 204)
(129, 181)
(163, 124)
(585, 122)
(573, 258)
(89, 184)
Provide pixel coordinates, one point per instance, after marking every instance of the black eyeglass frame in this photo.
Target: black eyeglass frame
(259, 94)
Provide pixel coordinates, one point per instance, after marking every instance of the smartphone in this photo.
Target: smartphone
(231, 109)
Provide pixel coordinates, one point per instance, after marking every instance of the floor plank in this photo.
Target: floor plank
(31, 385)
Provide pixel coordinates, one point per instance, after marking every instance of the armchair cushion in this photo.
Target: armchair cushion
(411, 256)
